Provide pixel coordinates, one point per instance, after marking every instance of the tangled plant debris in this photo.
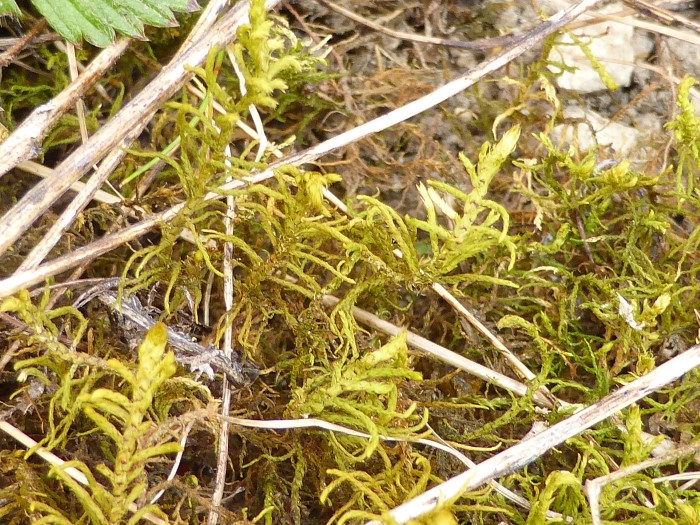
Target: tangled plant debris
(577, 270)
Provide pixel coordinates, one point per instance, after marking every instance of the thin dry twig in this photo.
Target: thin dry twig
(662, 15)
(679, 34)
(20, 43)
(222, 444)
(518, 365)
(626, 17)
(79, 104)
(42, 171)
(37, 40)
(288, 424)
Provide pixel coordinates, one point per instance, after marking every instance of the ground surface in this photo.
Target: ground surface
(573, 244)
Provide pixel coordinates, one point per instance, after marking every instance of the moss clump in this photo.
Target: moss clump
(585, 270)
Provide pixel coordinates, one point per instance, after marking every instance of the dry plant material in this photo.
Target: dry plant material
(520, 455)
(571, 312)
(117, 133)
(14, 223)
(481, 44)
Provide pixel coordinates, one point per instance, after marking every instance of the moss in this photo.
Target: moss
(589, 290)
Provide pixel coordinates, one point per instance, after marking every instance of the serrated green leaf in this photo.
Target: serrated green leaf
(165, 13)
(114, 15)
(146, 13)
(9, 7)
(97, 20)
(73, 20)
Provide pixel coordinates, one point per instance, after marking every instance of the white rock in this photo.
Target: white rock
(607, 40)
(595, 130)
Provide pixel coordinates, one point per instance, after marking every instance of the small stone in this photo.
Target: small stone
(594, 130)
(607, 40)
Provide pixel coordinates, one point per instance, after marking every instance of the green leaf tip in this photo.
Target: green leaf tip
(9, 7)
(98, 21)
